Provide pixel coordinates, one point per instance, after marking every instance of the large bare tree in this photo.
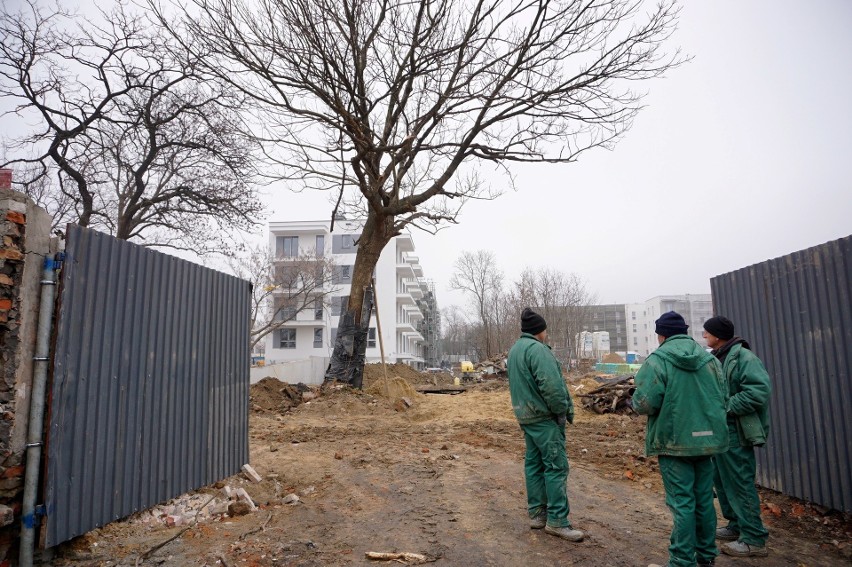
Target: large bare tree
(396, 104)
(130, 139)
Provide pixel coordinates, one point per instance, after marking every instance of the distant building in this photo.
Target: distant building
(406, 302)
(631, 326)
(695, 308)
(612, 319)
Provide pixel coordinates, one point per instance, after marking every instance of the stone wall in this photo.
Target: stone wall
(25, 234)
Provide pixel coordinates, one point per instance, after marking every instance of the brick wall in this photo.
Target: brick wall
(24, 242)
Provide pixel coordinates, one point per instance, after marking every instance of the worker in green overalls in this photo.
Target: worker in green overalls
(542, 406)
(748, 427)
(681, 389)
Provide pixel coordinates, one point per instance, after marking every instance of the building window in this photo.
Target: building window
(342, 275)
(318, 312)
(288, 246)
(288, 338)
(320, 245)
(635, 341)
(634, 327)
(285, 312)
(371, 337)
(317, 337)
(633, 315)
(347, 242)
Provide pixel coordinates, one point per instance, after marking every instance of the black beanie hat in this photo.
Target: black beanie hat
(720, 327)
(532, 322)
(671, 323)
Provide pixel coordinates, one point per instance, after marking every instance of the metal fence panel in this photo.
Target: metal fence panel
(796, 311)
(149, 396)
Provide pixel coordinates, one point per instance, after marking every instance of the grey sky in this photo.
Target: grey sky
(742, 155)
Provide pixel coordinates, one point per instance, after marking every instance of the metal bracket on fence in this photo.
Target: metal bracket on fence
(37, 444)
(41, 358)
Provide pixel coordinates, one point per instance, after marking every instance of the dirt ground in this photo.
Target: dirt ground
(388, 469)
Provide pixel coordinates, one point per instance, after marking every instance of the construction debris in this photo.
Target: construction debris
(404, 557)
(494, 366)
(251, 473)
(613, 397)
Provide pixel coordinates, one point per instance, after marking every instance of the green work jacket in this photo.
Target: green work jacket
(681, 389)
(536, 384)
(749, 390)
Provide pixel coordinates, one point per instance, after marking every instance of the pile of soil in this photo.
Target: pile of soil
(273, 395)
(613, 358)
(374, 372)
(395, 389)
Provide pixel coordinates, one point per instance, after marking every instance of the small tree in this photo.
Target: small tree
(131, 140)
(394, 103)
(283, 287)
(477, 275)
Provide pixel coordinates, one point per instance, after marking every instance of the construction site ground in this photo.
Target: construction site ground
(441, 477)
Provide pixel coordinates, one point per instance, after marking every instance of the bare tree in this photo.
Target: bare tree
(562, 299)
(282, 288)
(140, 144)
(457, 333)
(477, 275)
(394, 103)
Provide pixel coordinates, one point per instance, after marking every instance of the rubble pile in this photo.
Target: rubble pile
(493, 366)
(613, 397)
(272, 395)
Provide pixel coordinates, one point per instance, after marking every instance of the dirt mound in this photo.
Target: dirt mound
(374, 372)
(273, 395)
(613, 358)
(397, 388)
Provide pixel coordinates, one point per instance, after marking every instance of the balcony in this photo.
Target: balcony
(405, 270)
(413, 288)
(404, 243)
(406, 327)
(404, 298)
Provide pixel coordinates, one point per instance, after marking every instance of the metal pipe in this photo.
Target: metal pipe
(37, 402)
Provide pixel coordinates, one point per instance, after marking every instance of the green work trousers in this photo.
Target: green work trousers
(734, 481)
(689, 495)
(546, 472)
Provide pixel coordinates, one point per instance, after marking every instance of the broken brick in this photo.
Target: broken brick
(16, 217)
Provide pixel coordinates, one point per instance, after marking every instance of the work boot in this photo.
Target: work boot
(727, 534)
(741, 549)
(538, 521)
(565, 533)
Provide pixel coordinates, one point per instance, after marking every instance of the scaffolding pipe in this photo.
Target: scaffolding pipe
(37, 402)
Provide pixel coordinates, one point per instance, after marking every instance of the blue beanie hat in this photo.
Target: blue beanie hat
(671, 323)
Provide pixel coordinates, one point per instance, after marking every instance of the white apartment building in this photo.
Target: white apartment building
(695, 308)
(399, 286)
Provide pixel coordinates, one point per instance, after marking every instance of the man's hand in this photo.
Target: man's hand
(560, 420)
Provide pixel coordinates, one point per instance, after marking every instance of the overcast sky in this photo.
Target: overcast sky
(742, 155)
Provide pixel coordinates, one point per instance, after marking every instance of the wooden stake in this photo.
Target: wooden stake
(381, 341)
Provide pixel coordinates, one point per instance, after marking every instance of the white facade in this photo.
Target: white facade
(586, 344)
(695, 309)
(397, 275)
(600, 344)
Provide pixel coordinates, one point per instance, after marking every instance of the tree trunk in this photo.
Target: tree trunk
(350, 345)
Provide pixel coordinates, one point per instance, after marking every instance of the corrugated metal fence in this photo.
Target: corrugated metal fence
(149, 396)
(796, 312)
